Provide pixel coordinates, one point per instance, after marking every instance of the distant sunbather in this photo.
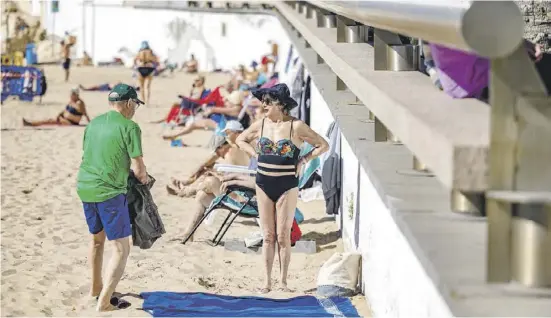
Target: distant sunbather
(106, 87)
(71, 115)
(191, 66)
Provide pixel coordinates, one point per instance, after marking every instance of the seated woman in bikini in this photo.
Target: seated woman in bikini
(145, 61)
(70, 116)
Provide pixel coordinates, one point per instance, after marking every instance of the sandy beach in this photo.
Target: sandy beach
(44, 237)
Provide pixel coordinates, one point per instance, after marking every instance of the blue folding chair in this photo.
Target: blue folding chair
(21, 81)
(247, 209)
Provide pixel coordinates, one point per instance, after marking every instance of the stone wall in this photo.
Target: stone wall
(537, 16)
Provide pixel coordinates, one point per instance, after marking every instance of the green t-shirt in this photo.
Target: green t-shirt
(110, 140)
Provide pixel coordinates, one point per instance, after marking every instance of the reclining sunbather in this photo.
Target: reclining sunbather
(223, 147)
(105, 87)
(71, 115)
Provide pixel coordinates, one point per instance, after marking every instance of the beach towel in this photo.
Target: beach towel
(169, 304)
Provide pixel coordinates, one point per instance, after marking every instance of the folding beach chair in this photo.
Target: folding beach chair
(247, 209)
(226, 202)
(23, 82)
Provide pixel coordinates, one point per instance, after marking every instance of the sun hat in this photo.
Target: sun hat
(279, 92)
(144, 45)
(217, 141)
(122, 92)
(75, 90)
(233, 125)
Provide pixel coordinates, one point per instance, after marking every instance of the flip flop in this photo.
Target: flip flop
(264, 290)
(117, 302)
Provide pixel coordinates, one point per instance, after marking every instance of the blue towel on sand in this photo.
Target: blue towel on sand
(168, 304)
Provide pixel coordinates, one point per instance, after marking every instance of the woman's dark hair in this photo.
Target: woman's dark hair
(269, 99)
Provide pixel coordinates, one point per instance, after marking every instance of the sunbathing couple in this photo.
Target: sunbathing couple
(207, 112)
(276, 182)
(70, 116)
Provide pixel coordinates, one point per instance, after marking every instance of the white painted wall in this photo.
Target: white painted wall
(393, 279)
(115, 27)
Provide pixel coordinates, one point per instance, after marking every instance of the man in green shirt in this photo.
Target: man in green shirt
(112, 142)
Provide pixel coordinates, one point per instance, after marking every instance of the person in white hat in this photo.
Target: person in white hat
(211, 185)
(71, 114)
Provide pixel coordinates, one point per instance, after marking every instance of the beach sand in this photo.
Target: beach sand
(44, 237)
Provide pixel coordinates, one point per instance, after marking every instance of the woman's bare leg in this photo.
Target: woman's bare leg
(141, 84)
(45, 122)
(148, 81)
(285, 213)
(198, 124)
(97, 247)
(209, 184)
(266, 211)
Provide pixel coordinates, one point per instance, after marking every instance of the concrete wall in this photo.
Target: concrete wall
(393, 279)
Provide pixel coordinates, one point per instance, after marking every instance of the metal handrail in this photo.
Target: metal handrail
(489, 28)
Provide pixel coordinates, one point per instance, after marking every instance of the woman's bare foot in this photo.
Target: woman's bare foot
(186, 192)
(264, 290)
(286, 289)
(177, 183)
(171, 191)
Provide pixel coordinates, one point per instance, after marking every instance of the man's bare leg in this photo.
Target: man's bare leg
(266, 211)
(201, 202)
(285, 215)
(115, 269)
(96, 259)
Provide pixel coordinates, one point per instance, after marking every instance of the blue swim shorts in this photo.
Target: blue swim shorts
(111, 215)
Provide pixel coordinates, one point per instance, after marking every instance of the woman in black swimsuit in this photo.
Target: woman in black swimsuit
(71, 115)
(145, 61)
(279, 138)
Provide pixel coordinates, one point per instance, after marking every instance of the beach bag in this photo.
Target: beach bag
(338, 276)
(296, 233)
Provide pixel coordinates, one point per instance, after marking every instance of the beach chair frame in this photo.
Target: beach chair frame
(232, 213)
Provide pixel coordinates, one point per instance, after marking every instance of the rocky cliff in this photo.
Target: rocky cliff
(537, 18)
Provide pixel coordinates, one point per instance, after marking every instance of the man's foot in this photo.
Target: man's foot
(114, 304)
(26, 122)
(96, 290)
